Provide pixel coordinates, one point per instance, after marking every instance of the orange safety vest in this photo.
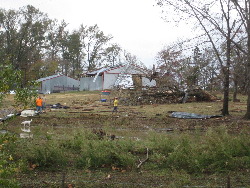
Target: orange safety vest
(39, 102)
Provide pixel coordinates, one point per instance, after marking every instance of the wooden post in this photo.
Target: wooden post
(228, 182)
(63, 180)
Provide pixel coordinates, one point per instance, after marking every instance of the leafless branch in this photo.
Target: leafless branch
(142, 161)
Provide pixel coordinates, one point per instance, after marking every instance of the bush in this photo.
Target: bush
(211, 152)
(8, 164)
(106, 153)
(49, 156)
(216, 151)
(221, 151)
(75, 144)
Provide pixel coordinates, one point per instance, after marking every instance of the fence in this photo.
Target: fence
(58, 89)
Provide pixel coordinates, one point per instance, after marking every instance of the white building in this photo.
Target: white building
(108, 78)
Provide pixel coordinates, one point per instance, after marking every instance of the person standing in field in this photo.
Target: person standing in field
(44, 103)
(115, 105)
(39, 104)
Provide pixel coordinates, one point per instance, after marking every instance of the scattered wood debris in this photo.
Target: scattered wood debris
(159, 96)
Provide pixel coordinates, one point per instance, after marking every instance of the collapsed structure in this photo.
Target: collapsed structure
(138, 86)
(125, 76)
(154, 95)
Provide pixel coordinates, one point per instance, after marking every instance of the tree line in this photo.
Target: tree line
(39, 46)
(35, 46)
(218, 58)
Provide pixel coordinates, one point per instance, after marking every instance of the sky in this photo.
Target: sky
(136, 25)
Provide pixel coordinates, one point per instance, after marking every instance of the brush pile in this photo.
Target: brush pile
(159, 96)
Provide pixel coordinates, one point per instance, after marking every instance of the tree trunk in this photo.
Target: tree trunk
(227, 72)
(226, 94)
(235, 90)
(247, 115)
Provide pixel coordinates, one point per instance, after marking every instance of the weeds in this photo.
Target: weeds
(8, 164)
(106, 153)
(64, 141)
(181, 155)
(211, 152)
(216, 151)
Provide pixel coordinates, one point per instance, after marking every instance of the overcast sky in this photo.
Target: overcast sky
(136, 25)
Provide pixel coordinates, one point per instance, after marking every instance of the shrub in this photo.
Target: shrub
(182, 156)
(216, 151)
(106, 153)
(221, 151)
(8, 165)
(49, 156)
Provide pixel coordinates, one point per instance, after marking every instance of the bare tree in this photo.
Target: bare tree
(220, 23)
(113, 55)
(243, 8)
(93, 41)
(171, 65)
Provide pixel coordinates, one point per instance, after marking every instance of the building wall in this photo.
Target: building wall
(60, 81)
(72, 82)
(88, 84)
(109, 80)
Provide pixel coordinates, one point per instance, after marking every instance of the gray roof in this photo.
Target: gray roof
(98, 71)
(48, 78)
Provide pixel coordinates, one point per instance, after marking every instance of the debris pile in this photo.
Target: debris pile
(7, 114)
(199, 95)
(26, 113)
(157, 96)
(58, 105)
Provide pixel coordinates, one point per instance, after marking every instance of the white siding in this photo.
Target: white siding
(88, 84)
(147, 82)
(109, 80)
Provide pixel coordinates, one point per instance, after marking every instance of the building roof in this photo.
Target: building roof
(49, 77)
(99, 71)
(111, 70)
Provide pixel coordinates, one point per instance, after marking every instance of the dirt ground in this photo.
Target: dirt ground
(85, 110)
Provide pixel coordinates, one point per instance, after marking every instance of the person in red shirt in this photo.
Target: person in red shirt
(39, 104)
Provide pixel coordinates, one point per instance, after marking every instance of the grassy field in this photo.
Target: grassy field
(86, 145)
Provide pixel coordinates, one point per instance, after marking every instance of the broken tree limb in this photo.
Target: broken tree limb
(142, 161)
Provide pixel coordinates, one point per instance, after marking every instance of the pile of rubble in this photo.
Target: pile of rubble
(156, 96)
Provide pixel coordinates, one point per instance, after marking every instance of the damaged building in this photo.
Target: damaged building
(126, 76)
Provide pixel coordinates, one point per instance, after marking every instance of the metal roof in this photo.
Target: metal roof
(102, 70)
(98, 71)
(48, 78)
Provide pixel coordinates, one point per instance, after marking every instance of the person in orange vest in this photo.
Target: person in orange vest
(39, 104)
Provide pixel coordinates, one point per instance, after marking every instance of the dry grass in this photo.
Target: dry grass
(91, 100)
(134, 123)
